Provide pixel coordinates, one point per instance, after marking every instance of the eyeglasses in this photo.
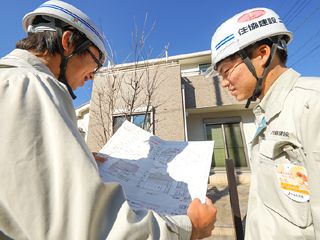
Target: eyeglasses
(227, 73)
(99, 65)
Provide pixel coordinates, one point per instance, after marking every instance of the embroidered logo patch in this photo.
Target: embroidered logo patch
(280, 133)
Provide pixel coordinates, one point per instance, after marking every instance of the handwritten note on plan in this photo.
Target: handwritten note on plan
(155, 174)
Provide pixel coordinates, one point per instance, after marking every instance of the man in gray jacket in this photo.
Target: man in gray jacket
(50, 186)
(249, 53)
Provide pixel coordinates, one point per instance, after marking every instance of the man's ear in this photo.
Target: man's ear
(263, 52)
(67, 47)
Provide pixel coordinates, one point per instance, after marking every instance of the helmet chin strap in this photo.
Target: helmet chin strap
(260, 80)
(63, 65)
(64, 59)
(62, 77)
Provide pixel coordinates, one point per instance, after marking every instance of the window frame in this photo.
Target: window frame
(150, 113)
(203, 67)
(227, 120)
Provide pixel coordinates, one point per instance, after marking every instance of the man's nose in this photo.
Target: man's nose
(89, 76)
(225, 83)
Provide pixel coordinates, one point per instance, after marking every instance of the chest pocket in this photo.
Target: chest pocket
(272, 154)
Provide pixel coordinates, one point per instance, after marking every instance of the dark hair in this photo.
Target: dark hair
(48, 40)
(282, 54)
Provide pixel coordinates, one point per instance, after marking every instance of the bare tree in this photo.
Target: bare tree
(127, 89)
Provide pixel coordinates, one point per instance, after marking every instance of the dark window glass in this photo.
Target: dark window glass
(228, 144)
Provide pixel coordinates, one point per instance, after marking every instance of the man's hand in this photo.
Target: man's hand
(100, 158)
(203, 217)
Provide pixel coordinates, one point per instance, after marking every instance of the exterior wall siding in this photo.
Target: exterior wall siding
(167, 103)
(169, 115)
(204, 91)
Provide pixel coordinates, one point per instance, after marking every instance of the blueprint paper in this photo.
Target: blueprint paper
(163, 176)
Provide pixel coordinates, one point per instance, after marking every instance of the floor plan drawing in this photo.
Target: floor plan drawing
(163, 176)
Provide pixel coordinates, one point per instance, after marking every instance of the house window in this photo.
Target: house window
(203, 68)
(228, 142)
(141, 120)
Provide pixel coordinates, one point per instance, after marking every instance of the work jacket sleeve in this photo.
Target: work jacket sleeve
(310, 135)
(50, 186)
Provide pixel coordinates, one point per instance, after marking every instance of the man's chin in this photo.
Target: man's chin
(79, 85)
(240, 98)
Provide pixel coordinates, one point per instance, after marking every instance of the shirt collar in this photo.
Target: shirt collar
(28, 59)
(272, 102)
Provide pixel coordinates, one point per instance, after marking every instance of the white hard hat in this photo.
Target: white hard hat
(70, 15)
(244, 29)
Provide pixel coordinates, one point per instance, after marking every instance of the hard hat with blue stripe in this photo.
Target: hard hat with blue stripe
(68, 14)
(244, 29)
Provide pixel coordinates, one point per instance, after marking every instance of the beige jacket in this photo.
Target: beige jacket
(50, 187)
(290, 136)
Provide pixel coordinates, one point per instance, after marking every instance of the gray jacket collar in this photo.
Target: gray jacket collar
(272, 103)
(20, 58)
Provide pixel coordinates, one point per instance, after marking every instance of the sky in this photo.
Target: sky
(184, 26)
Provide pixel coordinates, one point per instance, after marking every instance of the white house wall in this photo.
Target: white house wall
(83, 115)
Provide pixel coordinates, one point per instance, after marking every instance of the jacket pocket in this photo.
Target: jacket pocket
(269, 189)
